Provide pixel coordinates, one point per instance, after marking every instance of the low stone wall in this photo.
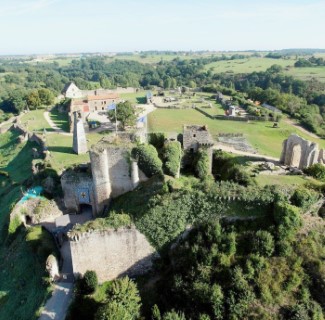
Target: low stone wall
(111, 253)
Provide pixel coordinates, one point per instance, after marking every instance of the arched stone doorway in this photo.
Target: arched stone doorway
(296, 156)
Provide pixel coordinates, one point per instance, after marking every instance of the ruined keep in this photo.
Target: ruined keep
(111, 253)
(79, 136)
(300, 153)
(113, 172)
(194, 138)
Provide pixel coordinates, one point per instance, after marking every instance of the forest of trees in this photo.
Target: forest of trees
(33, 86)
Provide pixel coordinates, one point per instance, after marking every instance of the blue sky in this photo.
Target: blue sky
(53, 26)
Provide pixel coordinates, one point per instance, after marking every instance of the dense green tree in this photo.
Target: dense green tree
(125, 114)
(263, 243)
(88, 283)
(46, 96)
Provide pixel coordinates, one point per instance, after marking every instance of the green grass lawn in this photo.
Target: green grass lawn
(35, 121)
(61, 119)
(308, 73)
(62, 155)
(136, 97)
(281, 180)
(264, 138)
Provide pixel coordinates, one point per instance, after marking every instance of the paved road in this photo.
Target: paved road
(57, 306)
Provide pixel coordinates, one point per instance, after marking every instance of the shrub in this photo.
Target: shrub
(123, 301)
(88, 283)
(303, 197)
(263, 243)
(148, 160)
(172, 154)
(288, 219)
(202, 164)
(317, 171)
(157, 139)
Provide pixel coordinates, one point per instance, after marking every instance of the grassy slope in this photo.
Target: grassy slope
(21, 272)
(261, 135)
(35, 121)
(252, 64)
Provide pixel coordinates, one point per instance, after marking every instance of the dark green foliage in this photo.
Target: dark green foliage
(172, 154)
(304, 198)
(287, 219)
(202, 164)
(157, 139)
(317, 171)
(263, 243)
(123, 301)
(148, 160)
(88, 283)
(226, 167)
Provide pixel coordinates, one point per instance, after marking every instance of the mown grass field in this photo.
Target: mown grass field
(254, 64)
(265, 139)
(35, 121)
(61, 153)
(282, 180)
(248, 65)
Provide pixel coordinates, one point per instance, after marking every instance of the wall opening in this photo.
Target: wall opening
(85, 208)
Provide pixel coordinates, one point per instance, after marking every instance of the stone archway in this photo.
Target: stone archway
(296, 156)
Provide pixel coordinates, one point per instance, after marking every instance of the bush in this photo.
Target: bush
(172, 154)
(157, 139)
(88, 283)
(317, 171)
(288, 219)
(148, 160)
(123, 301)
(303, 197)
(202, 164)
(263, 243)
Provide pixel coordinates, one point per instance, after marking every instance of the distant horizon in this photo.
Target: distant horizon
(153, 51)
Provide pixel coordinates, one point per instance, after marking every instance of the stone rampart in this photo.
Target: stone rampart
(111, 253)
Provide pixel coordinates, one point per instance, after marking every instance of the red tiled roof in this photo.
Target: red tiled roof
(103, 97)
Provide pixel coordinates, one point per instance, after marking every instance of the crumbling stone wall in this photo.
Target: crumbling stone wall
(111, 253)
(300, 153)
(77, 189)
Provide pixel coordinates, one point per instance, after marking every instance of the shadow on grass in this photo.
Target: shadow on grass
(67, 150)
(141, 100)
(60, 119)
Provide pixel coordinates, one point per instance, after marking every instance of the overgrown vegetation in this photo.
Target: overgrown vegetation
(172, 154)
(148, 159)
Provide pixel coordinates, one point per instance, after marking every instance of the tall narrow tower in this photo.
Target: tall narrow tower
(79, 136)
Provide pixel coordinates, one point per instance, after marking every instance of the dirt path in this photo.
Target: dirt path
(300, 128)
(57, 306)
(54, 126)
(243, 153)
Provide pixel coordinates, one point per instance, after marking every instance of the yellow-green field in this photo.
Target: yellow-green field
(248, 65)
(265, 139)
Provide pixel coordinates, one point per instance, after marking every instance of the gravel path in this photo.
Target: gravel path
(292, 123)
(54, 126)
(57, 306)
(243, 153)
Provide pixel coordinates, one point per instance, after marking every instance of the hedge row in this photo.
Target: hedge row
(172, 154)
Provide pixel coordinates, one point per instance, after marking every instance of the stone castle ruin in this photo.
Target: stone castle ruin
(111, 253)
(194, 138)
(79, 136)
(301, 153)
(113, 172)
